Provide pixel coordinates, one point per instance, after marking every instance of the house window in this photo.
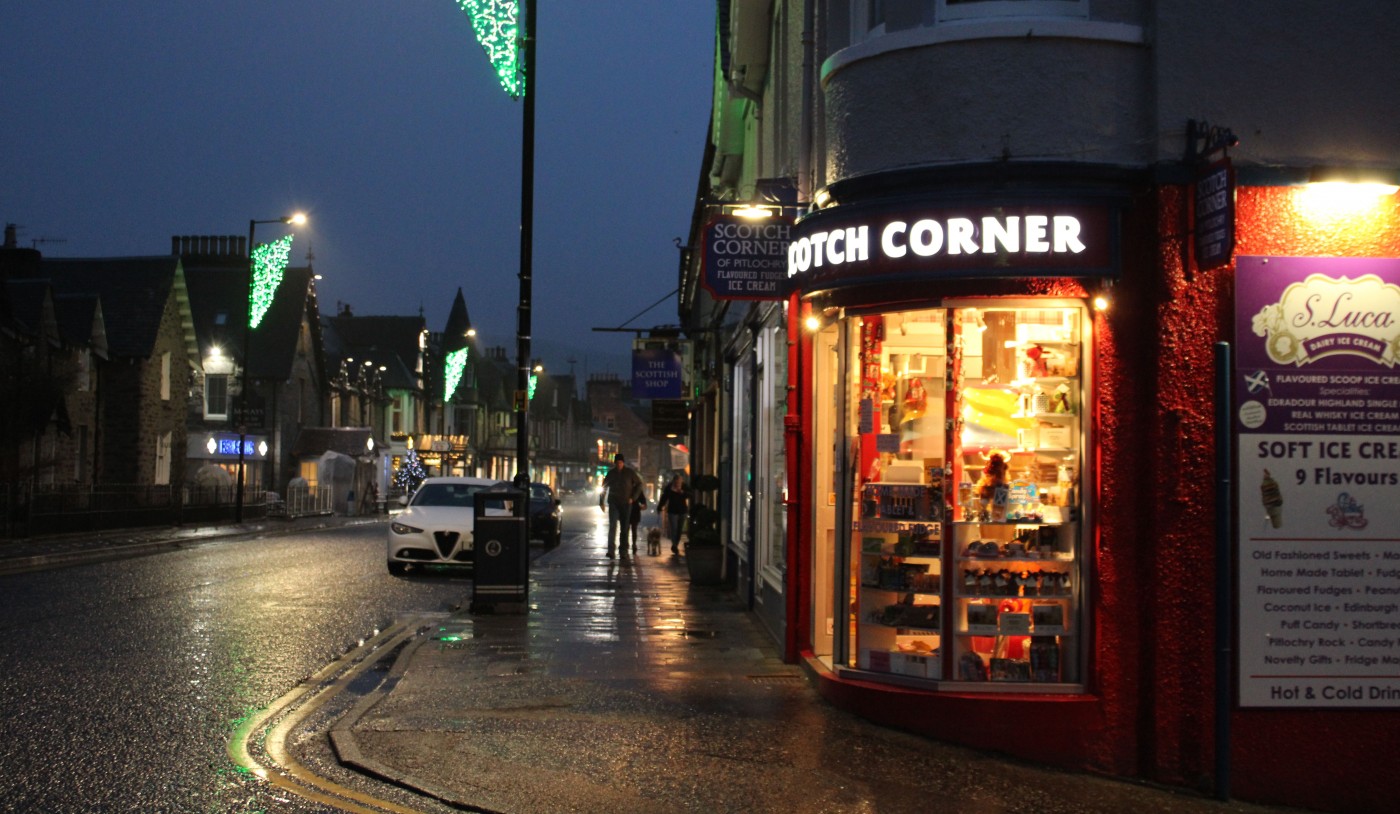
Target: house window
(946, 10)
(396, 416)
(216, 396)
(162, 471)
(875, 18)
(165, 376)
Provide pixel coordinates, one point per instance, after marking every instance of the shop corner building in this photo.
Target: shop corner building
(1071, 330)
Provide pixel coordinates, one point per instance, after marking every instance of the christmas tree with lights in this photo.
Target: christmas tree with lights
(410, 474)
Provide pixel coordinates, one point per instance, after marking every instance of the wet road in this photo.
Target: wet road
(123, 681)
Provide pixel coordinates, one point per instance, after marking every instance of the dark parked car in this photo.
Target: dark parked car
(546, 517)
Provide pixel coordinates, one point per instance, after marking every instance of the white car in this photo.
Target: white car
(435, 527)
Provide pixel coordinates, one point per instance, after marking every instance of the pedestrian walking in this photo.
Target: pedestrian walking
(673, 505)
(621, 489)
(637, 506)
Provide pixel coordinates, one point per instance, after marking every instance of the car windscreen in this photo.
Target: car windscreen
(447, 494)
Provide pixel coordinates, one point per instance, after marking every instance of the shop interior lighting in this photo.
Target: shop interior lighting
(813, 323)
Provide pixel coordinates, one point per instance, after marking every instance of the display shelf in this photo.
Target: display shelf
(1015, 600)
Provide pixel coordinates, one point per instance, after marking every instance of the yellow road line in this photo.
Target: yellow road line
(294, 777)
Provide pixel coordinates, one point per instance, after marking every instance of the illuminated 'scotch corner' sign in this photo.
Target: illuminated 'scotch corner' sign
(849, 245)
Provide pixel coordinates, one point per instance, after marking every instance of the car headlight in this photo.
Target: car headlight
(403, 528)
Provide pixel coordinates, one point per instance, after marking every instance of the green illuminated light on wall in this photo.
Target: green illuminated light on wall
(497, 27)
(456, 364)
(269, 262)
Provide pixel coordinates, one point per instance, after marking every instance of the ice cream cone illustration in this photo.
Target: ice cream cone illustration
(1273, 499)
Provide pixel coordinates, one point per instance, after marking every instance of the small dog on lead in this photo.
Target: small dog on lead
(653, 542)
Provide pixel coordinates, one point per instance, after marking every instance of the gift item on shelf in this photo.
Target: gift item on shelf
(1048, 616)
(972, 668)
(899, 502)
(992, 487)
(1045, 659)
(1010, 670)
(981, 616)
(905, 615)
(923, 542)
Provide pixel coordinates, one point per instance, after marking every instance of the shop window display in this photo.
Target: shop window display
(966, 429)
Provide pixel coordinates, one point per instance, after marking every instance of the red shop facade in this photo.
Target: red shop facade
(1004, 449)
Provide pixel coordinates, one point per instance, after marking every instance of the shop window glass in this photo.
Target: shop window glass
(965, 433)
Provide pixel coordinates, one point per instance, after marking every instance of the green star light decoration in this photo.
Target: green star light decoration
(456, 365)
(269, 262)
(497, 27)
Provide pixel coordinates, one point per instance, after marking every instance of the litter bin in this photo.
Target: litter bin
(500, 551)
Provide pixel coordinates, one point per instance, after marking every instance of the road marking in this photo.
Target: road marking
(278, 720)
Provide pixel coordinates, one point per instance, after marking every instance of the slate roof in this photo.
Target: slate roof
(26, 301)
(80, 321)
(388, 341)
(219, 303)
(133, 290)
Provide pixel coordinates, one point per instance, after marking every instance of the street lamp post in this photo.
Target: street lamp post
(527, 221)
(242, 413)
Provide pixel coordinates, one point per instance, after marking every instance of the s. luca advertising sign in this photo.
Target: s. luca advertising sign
(1318, 438)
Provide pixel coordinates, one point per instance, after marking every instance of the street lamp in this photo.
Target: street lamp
(242, 412)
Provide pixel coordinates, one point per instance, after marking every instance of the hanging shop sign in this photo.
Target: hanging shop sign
(658, 371)
(851, 244)
(746, 259)
(1214, 215)
(1318, 441)
(670, 418)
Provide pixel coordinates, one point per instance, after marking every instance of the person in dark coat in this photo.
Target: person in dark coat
(621, 489)
(674, 504)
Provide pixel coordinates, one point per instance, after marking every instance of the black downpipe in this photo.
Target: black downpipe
(1224, 569)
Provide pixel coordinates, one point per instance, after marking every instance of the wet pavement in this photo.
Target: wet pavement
(626, 689)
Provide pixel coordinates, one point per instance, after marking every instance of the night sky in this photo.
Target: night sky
(129, 122)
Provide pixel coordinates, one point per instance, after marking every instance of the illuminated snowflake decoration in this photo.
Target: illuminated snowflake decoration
(269, 262)
(497, 27)
(456, 364)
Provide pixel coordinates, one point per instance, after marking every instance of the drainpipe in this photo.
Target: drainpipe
(804, 148)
